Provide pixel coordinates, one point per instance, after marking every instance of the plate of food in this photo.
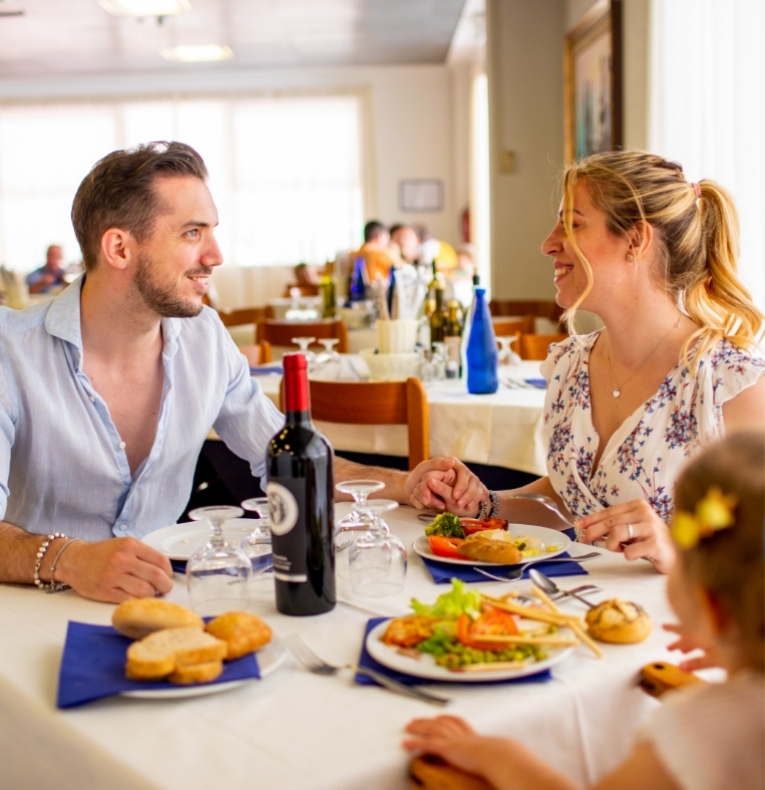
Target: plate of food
(458, 541)
(180, 541)
(467, 637)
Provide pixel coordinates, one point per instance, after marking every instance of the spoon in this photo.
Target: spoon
(517, 573)
(547, 585)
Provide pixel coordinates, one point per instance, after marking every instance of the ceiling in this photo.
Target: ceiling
(78, 37)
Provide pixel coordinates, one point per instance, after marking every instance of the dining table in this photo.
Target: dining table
(502, 429)
(295, 730)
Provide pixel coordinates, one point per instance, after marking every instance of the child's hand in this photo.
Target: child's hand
(685, 644)
(455, 740)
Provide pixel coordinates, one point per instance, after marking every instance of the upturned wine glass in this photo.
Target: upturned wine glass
(257, 545)
(360, 491)
(303, 343)
(377, 559)
(218, 574)
(506, 355)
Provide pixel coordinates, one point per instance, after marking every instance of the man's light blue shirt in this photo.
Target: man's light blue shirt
(63, 466)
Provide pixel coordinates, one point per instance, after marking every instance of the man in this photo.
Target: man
(375, 251)
(49, 277)
(408, 242)
(108, 391)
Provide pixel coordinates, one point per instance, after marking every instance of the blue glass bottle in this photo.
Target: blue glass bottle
(482, 349)
(359, 281)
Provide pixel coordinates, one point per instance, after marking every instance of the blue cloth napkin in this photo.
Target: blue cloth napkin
(93, 666)
(179, 566)
(540, 384)
(365, 660)
(444, 572)
(262, 370)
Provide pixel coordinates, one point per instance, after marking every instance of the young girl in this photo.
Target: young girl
(705, 736)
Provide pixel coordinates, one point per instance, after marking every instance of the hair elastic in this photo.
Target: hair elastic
(697, 189)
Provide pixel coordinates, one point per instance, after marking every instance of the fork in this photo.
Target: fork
(314, 664)
(584, 589)
(547, 502)
(517, 573)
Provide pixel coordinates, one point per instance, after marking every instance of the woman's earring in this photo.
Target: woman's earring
(629, 256)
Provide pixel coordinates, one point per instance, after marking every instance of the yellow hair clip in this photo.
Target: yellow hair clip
(713, 513)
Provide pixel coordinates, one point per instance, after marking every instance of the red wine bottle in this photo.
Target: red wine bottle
(300, 494)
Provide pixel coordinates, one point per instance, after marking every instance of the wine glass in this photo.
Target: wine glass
(506, 355)
(218, 573)
(303, 343)
(377, 560)
(360, 491)
(257, 545)
(329, 354)
(439, 360)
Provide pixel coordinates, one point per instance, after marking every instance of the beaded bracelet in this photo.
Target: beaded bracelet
(483, 506)
(41, 553)
(54, 585)
(494, 504)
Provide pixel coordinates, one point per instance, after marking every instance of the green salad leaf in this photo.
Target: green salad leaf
(450, 605)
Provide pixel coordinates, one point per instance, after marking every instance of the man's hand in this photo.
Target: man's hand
(115, 570)
(445, 484)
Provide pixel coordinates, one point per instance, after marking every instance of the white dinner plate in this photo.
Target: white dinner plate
(180, 541)
(548, 537)
(269, 658)
(426, 667)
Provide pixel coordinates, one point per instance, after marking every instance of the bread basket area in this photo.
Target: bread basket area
(390, 367)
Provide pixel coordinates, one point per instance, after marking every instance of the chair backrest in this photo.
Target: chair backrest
(540, 308)
(296, 290)
(503, 326)
(535, 346)
(257, 354)
(280, 333)
(376, 403)
(245, 315)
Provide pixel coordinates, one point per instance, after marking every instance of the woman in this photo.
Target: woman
(674, 367)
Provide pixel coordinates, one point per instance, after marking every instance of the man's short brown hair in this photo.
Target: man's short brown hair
(118, 193)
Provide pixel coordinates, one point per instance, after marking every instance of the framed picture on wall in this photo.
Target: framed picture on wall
(593, 82)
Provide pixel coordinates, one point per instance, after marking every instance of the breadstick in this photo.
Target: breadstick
(529, 613)
(574, 626)
(489, 667)
(507, 639)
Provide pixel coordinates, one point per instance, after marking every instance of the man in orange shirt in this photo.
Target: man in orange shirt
(375, 251)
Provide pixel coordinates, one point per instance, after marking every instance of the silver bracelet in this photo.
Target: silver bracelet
(40, 554)
(494, 504)
(54, 585)
(482, 508)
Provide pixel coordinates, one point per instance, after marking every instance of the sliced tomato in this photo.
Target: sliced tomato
(473, 525)
(445, 547)
(492, 622)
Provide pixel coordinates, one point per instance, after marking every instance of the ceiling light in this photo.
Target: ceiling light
(197, 53)
(146, 7)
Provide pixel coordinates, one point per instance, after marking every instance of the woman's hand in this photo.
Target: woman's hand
(445, 484)
(634, 529)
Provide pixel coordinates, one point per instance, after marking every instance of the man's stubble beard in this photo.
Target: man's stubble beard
(159, 299)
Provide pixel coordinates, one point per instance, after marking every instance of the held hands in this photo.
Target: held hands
(445, 484)
(115, 570)
(634, 529)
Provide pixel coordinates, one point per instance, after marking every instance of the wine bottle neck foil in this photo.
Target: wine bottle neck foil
(296, 393)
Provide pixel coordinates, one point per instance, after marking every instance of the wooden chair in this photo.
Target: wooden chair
(257, 354)
(535, 346)
(523, 325)
(527, 307)
(375, 403)
(280, 333)
(245, 315)
(297, 290)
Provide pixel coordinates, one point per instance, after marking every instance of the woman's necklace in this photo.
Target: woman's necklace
(617, 391)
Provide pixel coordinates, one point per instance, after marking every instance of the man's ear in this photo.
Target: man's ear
(116, 248)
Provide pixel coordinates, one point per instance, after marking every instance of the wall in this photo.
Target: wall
(525, 68)
(411, 110)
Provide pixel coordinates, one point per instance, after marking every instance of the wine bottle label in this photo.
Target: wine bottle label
(282, 507)
(289, 544)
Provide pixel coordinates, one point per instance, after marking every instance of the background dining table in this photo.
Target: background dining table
(504, 429)
(297, 731)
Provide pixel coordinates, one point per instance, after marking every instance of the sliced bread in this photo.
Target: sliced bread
(139, 617)
(163, 652)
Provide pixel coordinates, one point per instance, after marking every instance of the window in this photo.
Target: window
(708, 106)
(286, 172)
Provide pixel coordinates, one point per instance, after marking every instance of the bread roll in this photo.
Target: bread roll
(622, 622)
(491, 545)
(163, 652)
(241, 631)
(140, 617)
(196, 673)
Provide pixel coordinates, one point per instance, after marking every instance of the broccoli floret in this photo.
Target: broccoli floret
(446, 524)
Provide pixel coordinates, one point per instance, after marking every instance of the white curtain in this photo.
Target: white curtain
(708, 106)
(285, 171)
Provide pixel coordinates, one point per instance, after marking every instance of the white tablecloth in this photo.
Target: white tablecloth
(503, 429)
(296, 731)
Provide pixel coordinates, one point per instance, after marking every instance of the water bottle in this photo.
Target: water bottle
(481, 349)
(359, 281)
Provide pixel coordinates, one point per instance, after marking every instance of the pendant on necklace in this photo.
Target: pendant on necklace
(616, 393)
